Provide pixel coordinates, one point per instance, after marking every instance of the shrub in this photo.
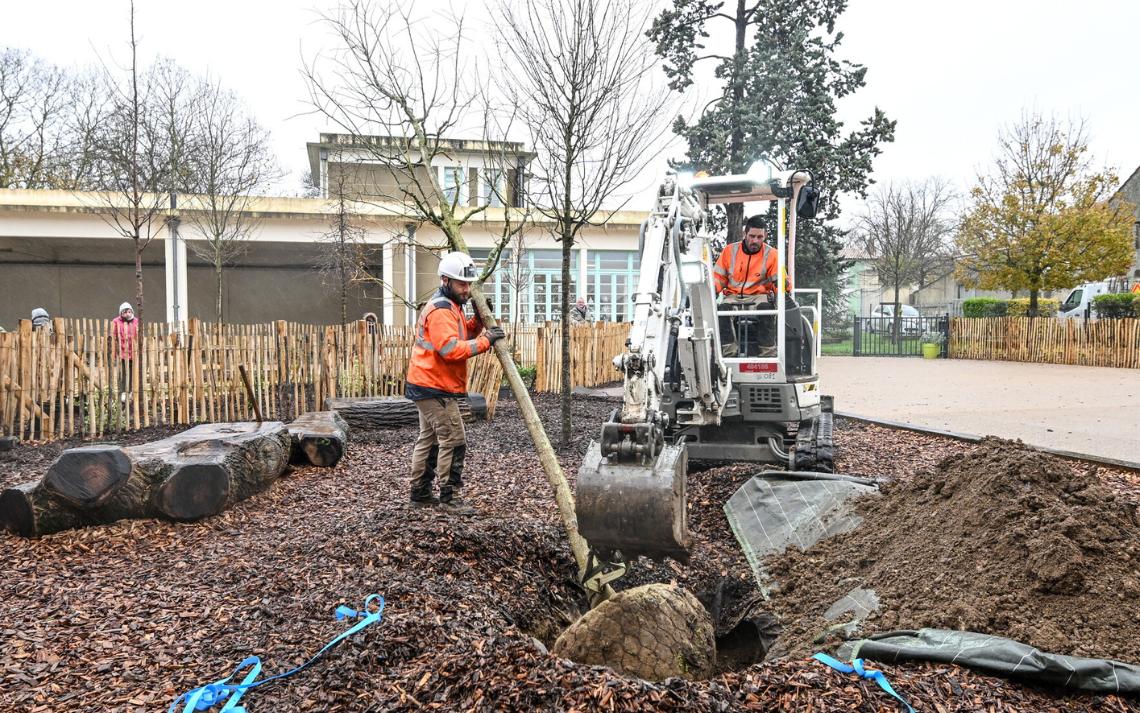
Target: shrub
(984, 307)
(933, 338)
(1115, 306)
(1019, 307)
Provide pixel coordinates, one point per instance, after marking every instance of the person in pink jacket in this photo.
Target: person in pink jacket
(124, 337)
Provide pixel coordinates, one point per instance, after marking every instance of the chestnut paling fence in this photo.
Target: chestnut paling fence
(71, 381)
(1106, 342)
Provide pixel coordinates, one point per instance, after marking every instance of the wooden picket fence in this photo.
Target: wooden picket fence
(1107, 342)
(592, 350)
(70, 382)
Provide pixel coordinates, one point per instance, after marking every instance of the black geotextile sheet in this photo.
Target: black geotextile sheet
(997, 656)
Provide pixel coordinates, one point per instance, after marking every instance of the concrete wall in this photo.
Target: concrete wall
(251, 295)
(1130, 192)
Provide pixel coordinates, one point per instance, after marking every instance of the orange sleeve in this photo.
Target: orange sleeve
(722, 269)
(443, 332)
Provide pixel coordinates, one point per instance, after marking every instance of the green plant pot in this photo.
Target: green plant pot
(930, 351)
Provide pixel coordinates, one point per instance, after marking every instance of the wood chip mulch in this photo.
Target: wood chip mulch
(127, 616)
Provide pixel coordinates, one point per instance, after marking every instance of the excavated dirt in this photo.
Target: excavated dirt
(999, 539)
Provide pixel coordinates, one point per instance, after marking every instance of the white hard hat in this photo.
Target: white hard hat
(458, 266)
(39, 312)
(125, 306)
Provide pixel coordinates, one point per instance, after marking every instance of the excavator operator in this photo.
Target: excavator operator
(746, 274)
(437, 378)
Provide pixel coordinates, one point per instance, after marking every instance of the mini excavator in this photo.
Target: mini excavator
(683, 398)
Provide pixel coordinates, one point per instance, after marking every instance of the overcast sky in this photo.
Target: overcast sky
(951, 73)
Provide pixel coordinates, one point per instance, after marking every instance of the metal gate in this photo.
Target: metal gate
(876, 336)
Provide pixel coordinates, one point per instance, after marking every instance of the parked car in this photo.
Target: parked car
(883, 320)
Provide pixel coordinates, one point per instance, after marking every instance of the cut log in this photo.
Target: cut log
(371, 414)
(192, 475)
(318, 438)
(30, 510)
(374, 413)
(87, 476)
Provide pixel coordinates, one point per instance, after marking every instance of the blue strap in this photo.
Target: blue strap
(856, 667)
(206, 697)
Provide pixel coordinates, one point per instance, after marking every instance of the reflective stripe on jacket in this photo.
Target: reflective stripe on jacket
(444, 343)
(738, 273)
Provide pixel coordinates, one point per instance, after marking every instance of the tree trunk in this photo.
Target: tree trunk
(564, 317)
(735, 211)
(1031, 311)
(192, 475)
(370, 413)
(218, 294)
(897, 316)
(563, 496)
(318, 438)
(138, 280)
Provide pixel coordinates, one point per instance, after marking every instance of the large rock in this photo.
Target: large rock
(653, 632)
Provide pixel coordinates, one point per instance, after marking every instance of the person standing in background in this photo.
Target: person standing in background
(124, 337)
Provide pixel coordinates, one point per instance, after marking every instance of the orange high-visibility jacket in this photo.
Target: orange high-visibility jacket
(444, 343)
(738, 273)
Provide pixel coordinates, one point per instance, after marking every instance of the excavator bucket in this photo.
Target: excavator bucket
(635, 508)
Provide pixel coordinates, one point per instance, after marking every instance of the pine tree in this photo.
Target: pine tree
(778, 102)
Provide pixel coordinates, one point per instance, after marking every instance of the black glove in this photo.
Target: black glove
(494, 334)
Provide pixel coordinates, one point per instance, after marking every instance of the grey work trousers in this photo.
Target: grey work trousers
(440, 448)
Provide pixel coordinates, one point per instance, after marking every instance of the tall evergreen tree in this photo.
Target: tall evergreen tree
(779, 96)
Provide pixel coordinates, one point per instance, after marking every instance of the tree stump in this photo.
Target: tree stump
(318, 438)
(375, 413)
(192, 475)
(654, 632)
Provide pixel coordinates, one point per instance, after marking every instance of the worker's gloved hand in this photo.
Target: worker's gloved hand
(494, 334)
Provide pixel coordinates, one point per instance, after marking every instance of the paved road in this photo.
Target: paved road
(1086, 409)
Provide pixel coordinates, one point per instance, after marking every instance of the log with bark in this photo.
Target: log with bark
(373, 413)
(318, 438)
(192, 475)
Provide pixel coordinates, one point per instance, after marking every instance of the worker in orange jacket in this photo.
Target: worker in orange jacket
(437, 379)
(745, 276)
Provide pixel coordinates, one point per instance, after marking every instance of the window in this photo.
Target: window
(611, 282)
(498, 285)
(493, 188)
(454, 185)
(1073, 301)
(1136, 235)
(546, 283)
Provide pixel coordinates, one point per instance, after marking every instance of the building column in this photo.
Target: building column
(177, 301)
(388, 277)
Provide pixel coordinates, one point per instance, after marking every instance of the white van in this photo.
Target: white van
(1078, 304)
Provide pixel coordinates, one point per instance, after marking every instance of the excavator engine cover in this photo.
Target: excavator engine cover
(634, 506)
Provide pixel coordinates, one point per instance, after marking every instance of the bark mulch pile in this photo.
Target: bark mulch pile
(129, 615)
(1001, 539)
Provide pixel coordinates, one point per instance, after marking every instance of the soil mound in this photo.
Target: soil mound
(1002, 540)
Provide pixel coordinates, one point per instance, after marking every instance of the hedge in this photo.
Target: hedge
(984, 307)
(1116, 306)
(1017, 307)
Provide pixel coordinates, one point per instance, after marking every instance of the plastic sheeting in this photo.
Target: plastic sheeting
(778, 508)
(997, 656)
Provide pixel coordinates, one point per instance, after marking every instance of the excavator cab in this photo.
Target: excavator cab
(683, 397)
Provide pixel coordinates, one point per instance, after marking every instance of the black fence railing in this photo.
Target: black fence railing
(882, 336)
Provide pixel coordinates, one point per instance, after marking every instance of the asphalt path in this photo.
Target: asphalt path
(1085, 409)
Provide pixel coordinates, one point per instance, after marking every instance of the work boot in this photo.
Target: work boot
(457, 506)
(425, 502)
